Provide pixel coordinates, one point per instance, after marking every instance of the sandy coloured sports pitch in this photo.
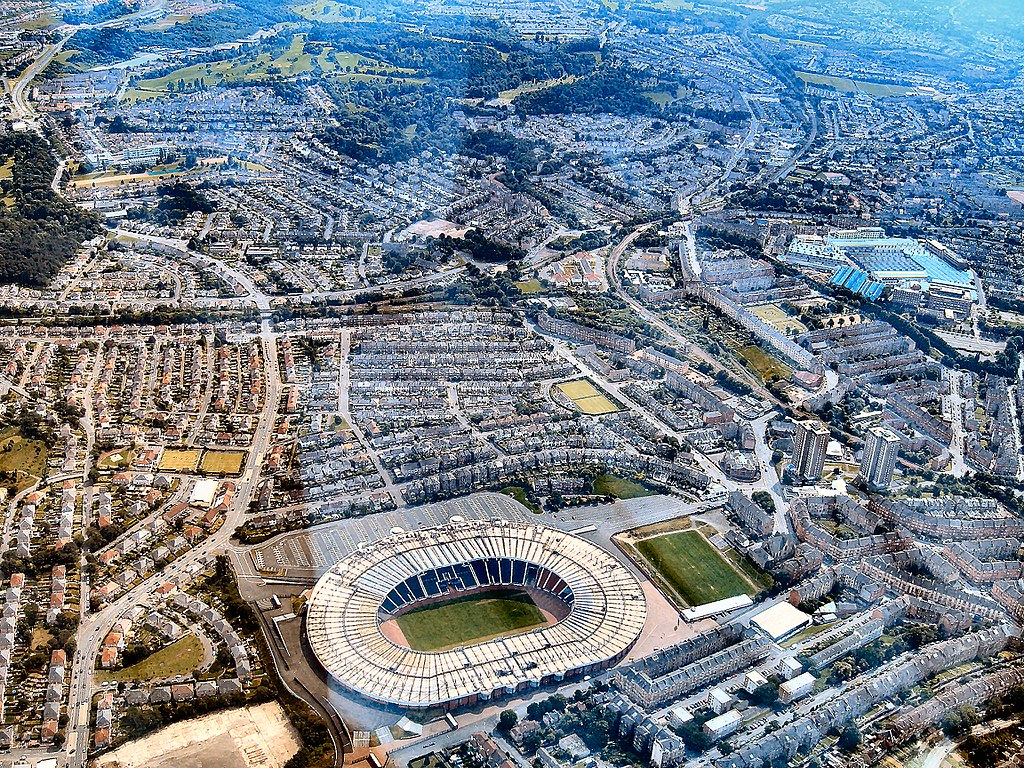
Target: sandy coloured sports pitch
(251, 737)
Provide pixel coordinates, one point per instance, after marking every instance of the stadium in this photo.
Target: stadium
(471, 611)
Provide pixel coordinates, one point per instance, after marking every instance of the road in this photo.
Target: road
(250, 291)
(22, 108)
(692, 350)
(953, 409)
(95, 627)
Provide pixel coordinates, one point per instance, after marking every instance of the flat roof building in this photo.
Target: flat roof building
(810, 445)
(781, 620)
(723, 725)
(878, 463)
(797, 688)
(203, 493)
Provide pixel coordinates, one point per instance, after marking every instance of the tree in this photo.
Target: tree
(694, 737)
(764, 500)
(507, 720)
(765, 695)
(850, 738)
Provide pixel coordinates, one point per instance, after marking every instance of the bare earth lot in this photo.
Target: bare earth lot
(253, 737)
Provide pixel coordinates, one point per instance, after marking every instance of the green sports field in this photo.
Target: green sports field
(692, 568)
(469, 619)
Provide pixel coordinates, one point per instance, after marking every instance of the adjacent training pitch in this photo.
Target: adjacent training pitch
(469, 619)
(179, 459)
(587, 397)
(692, 568)
(222, 462)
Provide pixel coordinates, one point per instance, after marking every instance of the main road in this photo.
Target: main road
(19, 89)
(95, 627)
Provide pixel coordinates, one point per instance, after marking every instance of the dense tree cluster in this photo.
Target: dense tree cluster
(104, 11)
(231, 22)
(613, 88)
(479, 247)
(41, 230)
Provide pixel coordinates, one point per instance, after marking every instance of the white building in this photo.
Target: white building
(723, 725)
(797, 688)
(753, 680)
(719, 701)
(810, 444)
(878, 463)
(679, 716)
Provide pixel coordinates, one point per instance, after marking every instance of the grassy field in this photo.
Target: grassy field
(619, 487)
(117, 459)
(777, 318)
(180, 459)
(116, 179)
(587, 397)
(332, 13)
(6, 169)
(526, 286)
(293, 61)
(179, 658)
(470, 619)
(807, 634)
(692, 568)
(171, 20)
(20, 455)
(534, 86)
(846, 85)
(40, 639)
(748, 568)
(222, 462)
(42, 21)
(661, 98)
(764, 365)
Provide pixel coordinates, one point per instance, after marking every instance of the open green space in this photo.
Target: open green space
(179, 658)
(179, 459)
(119, 459)
(777, 318)
(748, 568)
(168, 21)
(332, 12)
(294, 60)
(529, 286)
(846, 85)
(619, 487)
(588, 398)
(42, 21)
(469, 619)
(806, 634)
(532, 87)
(19, 454)
(222, 462)
(766, 366)
(518, 493)
(692, 568)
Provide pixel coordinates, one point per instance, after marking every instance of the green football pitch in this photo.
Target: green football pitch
(469, 619)
(692, 568)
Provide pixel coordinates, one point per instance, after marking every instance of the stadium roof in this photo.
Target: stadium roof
(858, 281)
(606, 614)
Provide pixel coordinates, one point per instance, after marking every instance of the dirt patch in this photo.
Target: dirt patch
(253, 737)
